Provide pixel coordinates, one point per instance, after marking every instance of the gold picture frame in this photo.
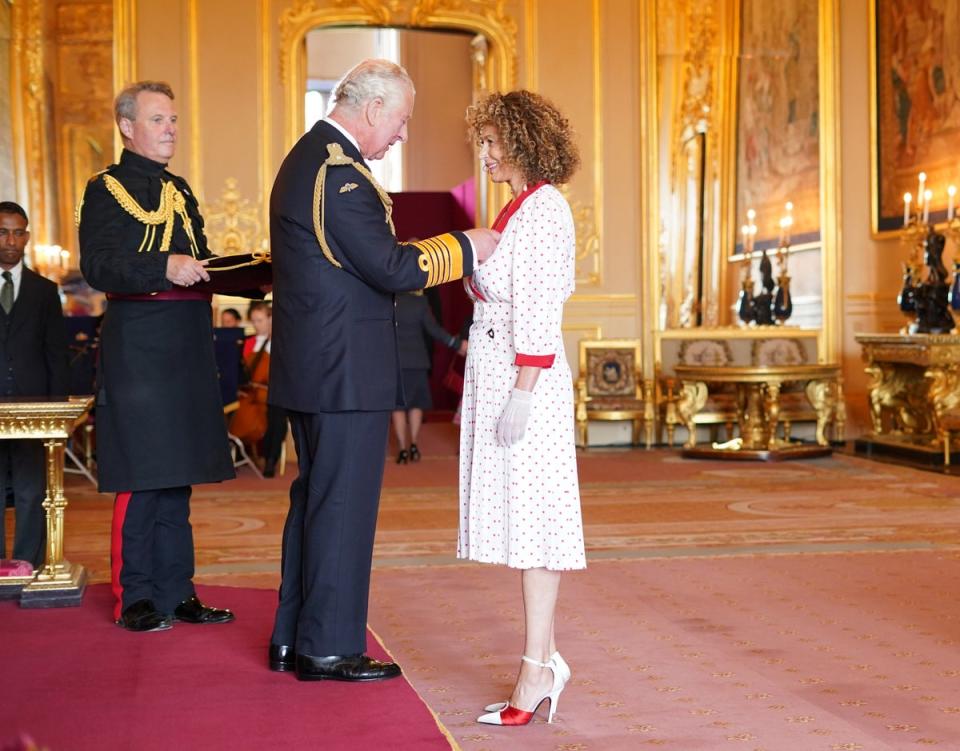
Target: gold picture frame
(914, 94)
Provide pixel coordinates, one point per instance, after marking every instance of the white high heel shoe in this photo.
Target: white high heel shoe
(502, 713)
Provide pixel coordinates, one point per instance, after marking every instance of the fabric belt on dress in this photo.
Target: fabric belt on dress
(177, 293)
(492, 311)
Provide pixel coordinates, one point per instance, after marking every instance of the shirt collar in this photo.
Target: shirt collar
(16, 272)
(347, 134)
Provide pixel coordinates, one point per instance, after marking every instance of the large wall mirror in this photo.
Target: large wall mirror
(451, 54)
(746, 96)
(444, 156)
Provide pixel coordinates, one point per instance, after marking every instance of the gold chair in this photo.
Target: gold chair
(611, 387)
(949, 423)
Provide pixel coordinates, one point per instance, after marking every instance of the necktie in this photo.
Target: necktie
(6, 292)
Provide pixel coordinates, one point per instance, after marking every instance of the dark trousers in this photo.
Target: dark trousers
(275, 435)
(328, 535)
(23, 469)
(151, 551)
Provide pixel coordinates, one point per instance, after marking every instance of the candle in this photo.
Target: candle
(927, 195)
(923, 179)
(745, 230)
(907, 198)
(752, 228)
(951, 192)
(64, 259)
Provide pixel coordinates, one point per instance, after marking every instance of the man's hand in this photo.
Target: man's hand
(463, 348)
(484, 242)
(185, 271)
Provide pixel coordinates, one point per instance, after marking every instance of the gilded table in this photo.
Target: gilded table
(758, 408)
(915, 381)
(59, 582)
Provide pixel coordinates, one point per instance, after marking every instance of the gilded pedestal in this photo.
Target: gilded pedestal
(915, 380)
(758, 408)
(59, 582)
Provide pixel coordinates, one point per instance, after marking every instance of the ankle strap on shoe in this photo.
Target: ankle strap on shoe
(536, 662)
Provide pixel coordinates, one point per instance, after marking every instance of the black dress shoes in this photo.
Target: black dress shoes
(282, 658)
(192, 610)
(144, 616)
(357, 668)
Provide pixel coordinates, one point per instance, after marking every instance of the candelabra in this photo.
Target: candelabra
(773, 303)
(51, 261)
(928, 300)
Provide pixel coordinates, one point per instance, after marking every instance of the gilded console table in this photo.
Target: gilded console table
(758, 408)
(915, 382)
(59, 582)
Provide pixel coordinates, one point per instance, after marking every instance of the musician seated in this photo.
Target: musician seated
(255, 422)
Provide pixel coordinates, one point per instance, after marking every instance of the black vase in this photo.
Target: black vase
(906, 299)
(783, 301)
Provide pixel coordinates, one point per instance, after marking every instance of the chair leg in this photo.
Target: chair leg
(946, 448)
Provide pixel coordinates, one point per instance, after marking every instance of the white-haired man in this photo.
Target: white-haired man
(334, 364)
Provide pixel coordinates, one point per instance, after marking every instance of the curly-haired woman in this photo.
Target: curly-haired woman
(519, 495)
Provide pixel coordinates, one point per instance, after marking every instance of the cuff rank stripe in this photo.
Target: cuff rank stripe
(441, 257)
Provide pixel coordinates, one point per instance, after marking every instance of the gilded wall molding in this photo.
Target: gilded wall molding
(232, 223)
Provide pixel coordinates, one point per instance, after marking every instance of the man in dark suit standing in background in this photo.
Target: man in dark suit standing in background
(33, 362)
(335, 368)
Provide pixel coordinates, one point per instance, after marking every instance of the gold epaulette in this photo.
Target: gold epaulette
(79, 210)
(441, 257)
(337, 158)
(172, 205)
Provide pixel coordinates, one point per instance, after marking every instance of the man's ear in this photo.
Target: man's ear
(126, 127)
(373, 110)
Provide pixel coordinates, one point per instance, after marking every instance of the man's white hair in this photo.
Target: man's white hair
(371, 79)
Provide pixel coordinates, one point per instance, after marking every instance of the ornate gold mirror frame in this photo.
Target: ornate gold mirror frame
(495, 66)
(705, 86)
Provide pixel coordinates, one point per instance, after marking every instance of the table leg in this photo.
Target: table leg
(771, 409)
(693, 395)
(822, 396)
(59, 582)
(753, 430)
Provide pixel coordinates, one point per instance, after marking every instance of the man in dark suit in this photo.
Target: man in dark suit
(160, 427)
(33, 362)
(334, 367)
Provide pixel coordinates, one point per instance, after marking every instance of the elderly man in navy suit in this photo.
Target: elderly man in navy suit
(334, 366)
(33, 362)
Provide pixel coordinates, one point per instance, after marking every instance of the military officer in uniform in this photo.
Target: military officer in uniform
(335, 367)
(159, 418)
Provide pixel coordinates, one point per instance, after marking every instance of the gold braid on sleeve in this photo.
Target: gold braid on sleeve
(172, 205)
(337, 158)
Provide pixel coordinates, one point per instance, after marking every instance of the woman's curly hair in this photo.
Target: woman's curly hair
(536, 138)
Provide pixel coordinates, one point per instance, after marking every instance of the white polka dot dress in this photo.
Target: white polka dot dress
(520, 505)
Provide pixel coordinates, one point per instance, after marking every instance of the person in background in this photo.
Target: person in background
(33, 350)
(519, 492)
(415, 322)
(230, 318)
(257, 421)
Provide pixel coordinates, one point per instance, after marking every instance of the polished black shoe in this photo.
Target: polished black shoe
(282, 658)
(192, 610)
(356, 668)
(414, 453)
(270, 469)
(402, 457)
(144, 616)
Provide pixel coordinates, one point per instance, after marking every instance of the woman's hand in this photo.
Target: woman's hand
(513, 421)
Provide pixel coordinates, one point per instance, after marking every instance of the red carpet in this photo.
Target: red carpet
(73, 681)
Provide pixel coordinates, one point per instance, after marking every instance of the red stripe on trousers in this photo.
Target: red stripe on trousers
(116, 549)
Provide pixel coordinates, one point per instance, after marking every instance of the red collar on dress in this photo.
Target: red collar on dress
(511, 208)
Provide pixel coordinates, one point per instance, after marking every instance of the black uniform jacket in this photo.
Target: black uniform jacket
(33, 341)
(159, 417)
(334, 331)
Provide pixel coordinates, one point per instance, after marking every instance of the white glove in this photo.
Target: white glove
(513, 421)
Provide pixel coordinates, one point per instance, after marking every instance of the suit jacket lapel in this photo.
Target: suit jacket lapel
(26, 299)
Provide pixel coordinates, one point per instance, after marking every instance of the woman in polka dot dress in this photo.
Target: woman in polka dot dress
(519, 494)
